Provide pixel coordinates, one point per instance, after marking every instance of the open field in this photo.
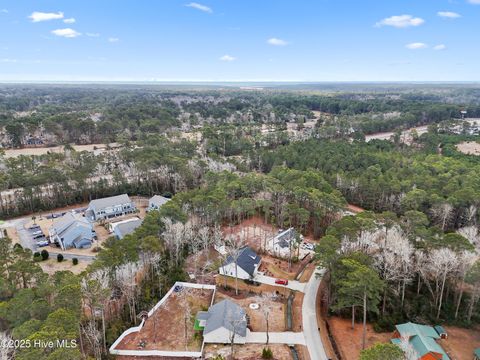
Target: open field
(248, 351)
(51, 266)
(95, 148)
(165, 329)
(469, 148)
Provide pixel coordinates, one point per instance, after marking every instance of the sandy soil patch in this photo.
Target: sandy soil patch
(95, 148)
(52, 266)
(350, 341)
(243, 287)
(461, 342)
(164, 330)
(469, 148)
(248, 351)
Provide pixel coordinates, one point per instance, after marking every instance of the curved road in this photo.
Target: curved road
(309, 317)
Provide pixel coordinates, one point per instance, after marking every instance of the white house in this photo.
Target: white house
(222, 322)
(283, 243)
(248, 263)
(156, 202)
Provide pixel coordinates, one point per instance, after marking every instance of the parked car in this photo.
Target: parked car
(36, 232)
(39, 236)
(34, 227)
(281, 281)
(42, 243)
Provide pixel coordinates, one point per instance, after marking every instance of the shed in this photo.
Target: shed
(441, 331)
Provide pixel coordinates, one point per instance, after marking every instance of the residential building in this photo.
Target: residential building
(156, 202)
(72, 231)
(222, 322)
(246, 266)
(283, 243)
(126, 227)
(422, 338)
(110, 207)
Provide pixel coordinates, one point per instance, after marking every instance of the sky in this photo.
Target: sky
(240, 40)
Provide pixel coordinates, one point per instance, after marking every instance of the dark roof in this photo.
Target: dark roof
(247, 260)
(229, 315)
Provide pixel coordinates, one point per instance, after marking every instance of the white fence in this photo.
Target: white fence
(192, 354)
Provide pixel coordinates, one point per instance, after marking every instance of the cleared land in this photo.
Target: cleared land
(165, 329)
(248, 351)
(95, 148)
(469, 148)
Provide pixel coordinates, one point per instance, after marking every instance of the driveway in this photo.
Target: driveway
(292, 284)
(309, 317)
(287, 337)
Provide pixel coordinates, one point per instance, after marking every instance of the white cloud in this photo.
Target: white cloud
(200, 7)
(228, 58)
(113, 39)
(449, 14)
(92, 34)
(416, 46)
(277, 42)
(5, 11)
(67, 33)
(41, 16)
(440, 47)
(69, 21)
(400, 21)
(475, 2)
(8, 60)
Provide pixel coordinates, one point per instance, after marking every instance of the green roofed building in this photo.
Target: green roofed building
(423, 339)
(476, 354)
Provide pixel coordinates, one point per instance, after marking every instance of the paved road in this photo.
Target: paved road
(287, 337)
(292, 284)
(309, 318)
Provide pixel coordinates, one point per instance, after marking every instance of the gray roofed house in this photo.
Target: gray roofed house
(248, 263)
(126, 227)
(222, 320)
(110, 207)
(72, 231)
(282, 243)
(156, 202)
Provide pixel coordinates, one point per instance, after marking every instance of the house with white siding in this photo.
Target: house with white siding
(110, 207)
(245, 267)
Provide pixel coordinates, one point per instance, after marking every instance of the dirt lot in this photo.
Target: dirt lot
(164, 330)
(244, 288)
(207, 264)
(461, 342)
(257, 319)
(350, 341)
(248, 351)
(255, 231)
(469, 148)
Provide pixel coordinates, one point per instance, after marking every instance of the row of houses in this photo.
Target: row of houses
(75, 230)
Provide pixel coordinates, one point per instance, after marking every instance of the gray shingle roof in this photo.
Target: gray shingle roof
(247, 260)
(109, 201)
(284, 238)
(127, 228)
(158, 200)
(229, 315)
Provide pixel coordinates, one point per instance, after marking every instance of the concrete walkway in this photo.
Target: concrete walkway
(309, 317)
(287, 337)
(292, 284)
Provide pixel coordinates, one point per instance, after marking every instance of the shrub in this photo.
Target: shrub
(75, 261)
(37, 257)
(267, 353)
(45, 255)
(59, 257)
